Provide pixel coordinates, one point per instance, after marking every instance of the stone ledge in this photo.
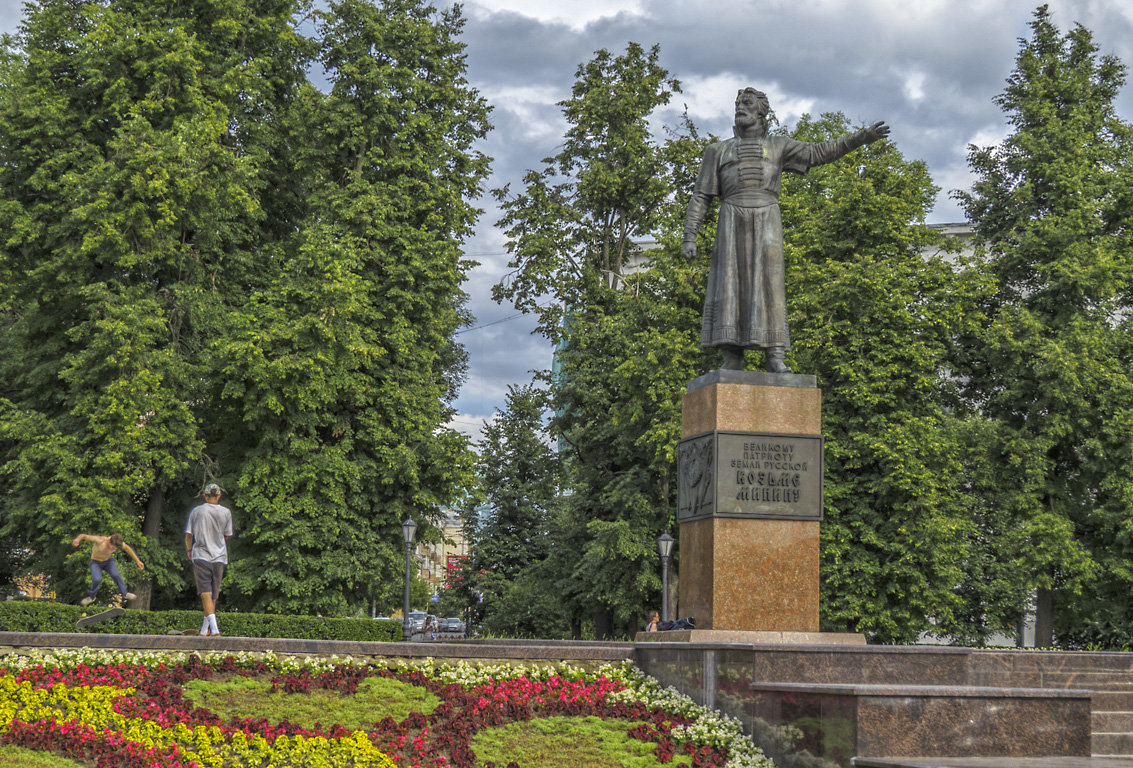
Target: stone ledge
(757, 637)
(754, 378)
(923, 691)
(992, 762)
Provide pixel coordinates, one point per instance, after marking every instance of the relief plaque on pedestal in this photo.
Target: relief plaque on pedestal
(749, 475)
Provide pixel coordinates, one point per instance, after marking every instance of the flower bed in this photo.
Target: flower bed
(128, 710)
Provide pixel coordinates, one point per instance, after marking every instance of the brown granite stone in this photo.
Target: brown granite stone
(743, 574)
(750, 575)
(992, 762)
(909, 700)
(746, 408)
(935, 665)
(922, 720)
(952, 723)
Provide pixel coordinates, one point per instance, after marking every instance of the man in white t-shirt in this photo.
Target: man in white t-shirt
(206, 544)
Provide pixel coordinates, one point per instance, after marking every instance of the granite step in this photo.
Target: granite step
(1093, 680)
(1111, 721)
(1111, 744)
(991, 762)
(1112, 701)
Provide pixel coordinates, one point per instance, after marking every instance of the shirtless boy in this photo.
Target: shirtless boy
(102, 560)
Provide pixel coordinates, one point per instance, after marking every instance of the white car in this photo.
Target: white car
(416, 621)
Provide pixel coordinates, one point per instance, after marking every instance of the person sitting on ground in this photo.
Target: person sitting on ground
(655, 625)
(102, 560)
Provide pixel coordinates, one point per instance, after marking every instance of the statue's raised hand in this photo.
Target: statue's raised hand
(878, 130)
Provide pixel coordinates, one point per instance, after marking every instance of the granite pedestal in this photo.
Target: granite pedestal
(742, 574)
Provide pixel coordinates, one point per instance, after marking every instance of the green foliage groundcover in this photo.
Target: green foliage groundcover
(18, 757)
(23, 616)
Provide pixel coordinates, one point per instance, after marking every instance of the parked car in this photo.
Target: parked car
(452, 625)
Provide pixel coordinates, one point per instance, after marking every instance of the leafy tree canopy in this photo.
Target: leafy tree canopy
(213, 271)
(1050, 366)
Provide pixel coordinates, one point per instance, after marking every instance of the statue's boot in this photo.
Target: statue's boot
(775, 362)
(733, 359)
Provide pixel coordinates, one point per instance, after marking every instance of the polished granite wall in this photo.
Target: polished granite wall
(750, 575)
(818, 707)
(751, 401)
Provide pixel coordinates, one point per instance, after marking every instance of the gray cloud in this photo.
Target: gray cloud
(931, 69)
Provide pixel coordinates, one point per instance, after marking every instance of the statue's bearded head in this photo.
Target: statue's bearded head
(752, 108)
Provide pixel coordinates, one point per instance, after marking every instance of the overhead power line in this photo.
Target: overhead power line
(497, 322)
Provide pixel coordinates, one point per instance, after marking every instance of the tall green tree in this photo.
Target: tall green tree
(618, 400)
(342, 374)
(1052, 207)
(128, 180)
(573, 228)
(574, 233)
(213, 270)
(509, 527)
(876, 303)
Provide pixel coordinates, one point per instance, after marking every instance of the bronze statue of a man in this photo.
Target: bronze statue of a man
(745, 306)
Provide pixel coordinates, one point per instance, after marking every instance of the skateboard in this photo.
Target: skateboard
(98, 618)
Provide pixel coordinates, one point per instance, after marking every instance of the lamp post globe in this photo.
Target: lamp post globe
(408, 531)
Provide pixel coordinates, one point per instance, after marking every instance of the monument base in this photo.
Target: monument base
(750, 638)
(750, 575)
(750, 570)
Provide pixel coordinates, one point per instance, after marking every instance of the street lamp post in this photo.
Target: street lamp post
(665, 547)
(408, 531)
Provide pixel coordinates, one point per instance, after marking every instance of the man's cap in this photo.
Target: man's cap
(212, 489)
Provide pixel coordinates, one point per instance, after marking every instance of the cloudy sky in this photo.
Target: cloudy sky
(928, 67)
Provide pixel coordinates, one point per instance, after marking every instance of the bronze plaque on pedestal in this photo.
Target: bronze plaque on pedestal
(749, 475)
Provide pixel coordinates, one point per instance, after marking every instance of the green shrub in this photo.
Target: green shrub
(46, 616)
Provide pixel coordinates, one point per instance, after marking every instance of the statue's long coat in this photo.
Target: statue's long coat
(745, 304)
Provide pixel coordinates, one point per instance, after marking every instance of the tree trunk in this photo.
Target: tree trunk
(602, 621)
(151, 529)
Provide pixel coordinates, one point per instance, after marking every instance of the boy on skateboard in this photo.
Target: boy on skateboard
(102, 561)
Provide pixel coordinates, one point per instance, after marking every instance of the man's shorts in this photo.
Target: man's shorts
(208, 576)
